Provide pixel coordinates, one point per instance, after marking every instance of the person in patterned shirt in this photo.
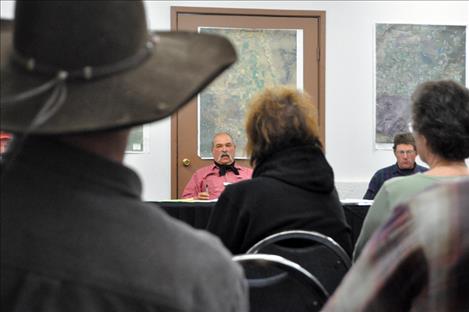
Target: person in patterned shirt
(418, 260)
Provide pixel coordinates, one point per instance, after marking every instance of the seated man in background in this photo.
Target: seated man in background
(405, 152)
(75, 234)
(210, 181)
(440, 125)
(418, 260)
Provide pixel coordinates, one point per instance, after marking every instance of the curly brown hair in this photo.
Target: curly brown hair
(277, 118)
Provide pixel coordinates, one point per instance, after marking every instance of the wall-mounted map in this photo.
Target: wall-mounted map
(266, 57)
(407, 55)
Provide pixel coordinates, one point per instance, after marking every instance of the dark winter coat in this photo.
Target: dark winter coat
(291, 190)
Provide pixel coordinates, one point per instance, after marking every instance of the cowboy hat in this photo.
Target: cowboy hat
(82, 66)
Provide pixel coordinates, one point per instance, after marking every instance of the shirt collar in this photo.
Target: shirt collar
(55, 156)
(396, 168)
(236, 166)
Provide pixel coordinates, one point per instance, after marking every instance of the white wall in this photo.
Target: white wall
(349, 82)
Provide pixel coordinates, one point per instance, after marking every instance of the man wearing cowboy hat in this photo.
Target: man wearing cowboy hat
(75, 234)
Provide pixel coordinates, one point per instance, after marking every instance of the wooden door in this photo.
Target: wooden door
(185, 124)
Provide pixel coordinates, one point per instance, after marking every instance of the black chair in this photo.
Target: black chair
(279, 285)
(317, 253)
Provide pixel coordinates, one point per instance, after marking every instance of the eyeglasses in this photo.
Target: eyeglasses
(402, 153)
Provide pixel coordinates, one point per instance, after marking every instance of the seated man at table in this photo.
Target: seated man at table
(405, 152)
(210, 181)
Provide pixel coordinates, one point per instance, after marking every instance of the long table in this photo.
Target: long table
(197, 213)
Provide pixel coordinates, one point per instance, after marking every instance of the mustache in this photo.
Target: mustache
(225, 154)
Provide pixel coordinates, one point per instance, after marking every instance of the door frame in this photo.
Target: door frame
(321, 53)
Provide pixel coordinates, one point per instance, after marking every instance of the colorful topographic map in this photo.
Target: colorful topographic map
(266, 57)
(407, 55)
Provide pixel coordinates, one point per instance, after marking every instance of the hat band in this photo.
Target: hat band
(58, 83)
(86, 72)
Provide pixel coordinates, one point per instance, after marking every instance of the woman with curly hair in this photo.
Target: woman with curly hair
(292, 187)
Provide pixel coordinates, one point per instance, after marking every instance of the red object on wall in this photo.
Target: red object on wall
(5, 139)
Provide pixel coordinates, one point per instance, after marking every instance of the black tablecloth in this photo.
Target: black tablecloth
(197, 214)
(194, 213)
(355, 214)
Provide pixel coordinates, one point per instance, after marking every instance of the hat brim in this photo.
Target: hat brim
(182, 64)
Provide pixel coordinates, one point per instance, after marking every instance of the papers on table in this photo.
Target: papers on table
(190, 200)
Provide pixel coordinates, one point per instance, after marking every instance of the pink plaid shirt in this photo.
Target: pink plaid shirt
(208, 179)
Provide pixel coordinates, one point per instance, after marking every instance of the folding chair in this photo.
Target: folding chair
(319, 254)
(277, 284)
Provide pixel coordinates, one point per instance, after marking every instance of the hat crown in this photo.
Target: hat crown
(73, 34)
(85, 66)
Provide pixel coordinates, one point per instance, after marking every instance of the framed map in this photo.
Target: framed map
(274, 47)
(405, 56)
(267, 57)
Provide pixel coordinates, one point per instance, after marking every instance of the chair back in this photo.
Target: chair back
(319, 254)
(279, 285)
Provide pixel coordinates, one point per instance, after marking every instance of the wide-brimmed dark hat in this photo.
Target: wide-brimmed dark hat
(81, 66)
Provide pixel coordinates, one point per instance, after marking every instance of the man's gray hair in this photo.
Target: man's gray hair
(220, 133)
